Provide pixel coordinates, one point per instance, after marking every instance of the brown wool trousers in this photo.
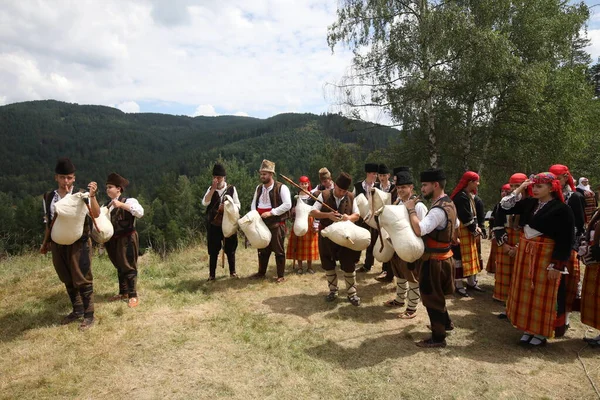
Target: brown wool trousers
(275, 246)
(123, 253)
(73, 265)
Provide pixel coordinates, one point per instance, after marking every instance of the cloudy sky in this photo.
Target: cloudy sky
(188, 57)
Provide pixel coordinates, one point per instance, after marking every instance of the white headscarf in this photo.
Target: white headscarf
(582, 186)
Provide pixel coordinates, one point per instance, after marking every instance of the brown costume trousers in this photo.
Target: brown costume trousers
(73, 265)
(275, 246)
(331, 252)
(123, 253)
(436, 281)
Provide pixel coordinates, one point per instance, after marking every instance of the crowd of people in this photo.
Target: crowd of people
(541, 229)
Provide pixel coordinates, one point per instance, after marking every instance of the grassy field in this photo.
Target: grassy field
(243, 339)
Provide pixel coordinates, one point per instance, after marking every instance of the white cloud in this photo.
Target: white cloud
(260, 56)
(241, 114)
(206, 110)
(594, 47)
(2, 100)
(129, 107)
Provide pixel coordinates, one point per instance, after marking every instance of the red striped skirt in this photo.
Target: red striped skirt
(590, 296)
(531, 304)
(303, 247)
(468, 252)
(504, 267)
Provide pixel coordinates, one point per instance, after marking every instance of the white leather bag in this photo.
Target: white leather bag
(70, 214)
(348, 234)
(256, 231)
(301, 221)
(394, 219)
(388, 251)
(231, 215)
(106, 229)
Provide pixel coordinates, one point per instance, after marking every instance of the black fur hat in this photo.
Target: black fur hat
(64, 166)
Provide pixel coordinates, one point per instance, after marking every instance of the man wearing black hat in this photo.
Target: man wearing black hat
(343, 202)
(213, 201)
(123, 247)
(384, 184)
(407, 274)
(364, 187)
(73, 263)
(438, 229)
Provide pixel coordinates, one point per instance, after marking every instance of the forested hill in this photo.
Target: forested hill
(145, 146)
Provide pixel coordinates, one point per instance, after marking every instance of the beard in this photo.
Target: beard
(428, 196)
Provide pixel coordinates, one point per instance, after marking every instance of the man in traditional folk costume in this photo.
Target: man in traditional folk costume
(438, 229)
(407, 274)
(384, 184)
(325, 183)
(364, 187)
(590, 296)
(507, 230)
(73, 263)
(544, 250)
(465, 253)
(213, 201)
(273, 202)
(576, 201)
(589, 196)
(124, 245)
(341, 200)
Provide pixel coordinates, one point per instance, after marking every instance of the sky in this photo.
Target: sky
(253, 58)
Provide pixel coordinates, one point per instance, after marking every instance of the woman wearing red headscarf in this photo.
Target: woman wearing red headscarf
(466, 257)
(590, 296)
(305, 247)
(542, 256)
(507, 231)
(576, 201)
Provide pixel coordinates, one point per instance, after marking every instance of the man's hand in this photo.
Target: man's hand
(410, 204)
(221, 208)
(335, 216)
(266, 215)
(93, 188)
(44, 248)
(117, 204)
(215, 184)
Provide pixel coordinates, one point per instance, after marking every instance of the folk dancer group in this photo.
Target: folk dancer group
(73, 262)
(539, 232)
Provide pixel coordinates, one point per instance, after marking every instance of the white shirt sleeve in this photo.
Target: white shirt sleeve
(435, 219)
(253, 204)
(136, 208)
(421, 210)
(286, 201)
(317, 206)
(509, 201)
(355, 207)
(205, 200)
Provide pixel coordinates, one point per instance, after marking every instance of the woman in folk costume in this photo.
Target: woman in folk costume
(465, 254)
(123, 247)
(542, 257)
(305, 247)
(590, 198)
(576, 202)
(590, 296)
(507, 231)
(490, 267)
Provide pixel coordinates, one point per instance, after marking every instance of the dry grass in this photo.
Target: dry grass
(246, 339)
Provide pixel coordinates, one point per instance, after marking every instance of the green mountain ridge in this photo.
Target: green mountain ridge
(142, 146)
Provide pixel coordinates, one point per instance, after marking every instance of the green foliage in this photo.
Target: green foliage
(491, 86)
(168, 160)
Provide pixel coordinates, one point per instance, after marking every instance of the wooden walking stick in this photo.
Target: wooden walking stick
(87, 203)
(223, 254)
(307, 192)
